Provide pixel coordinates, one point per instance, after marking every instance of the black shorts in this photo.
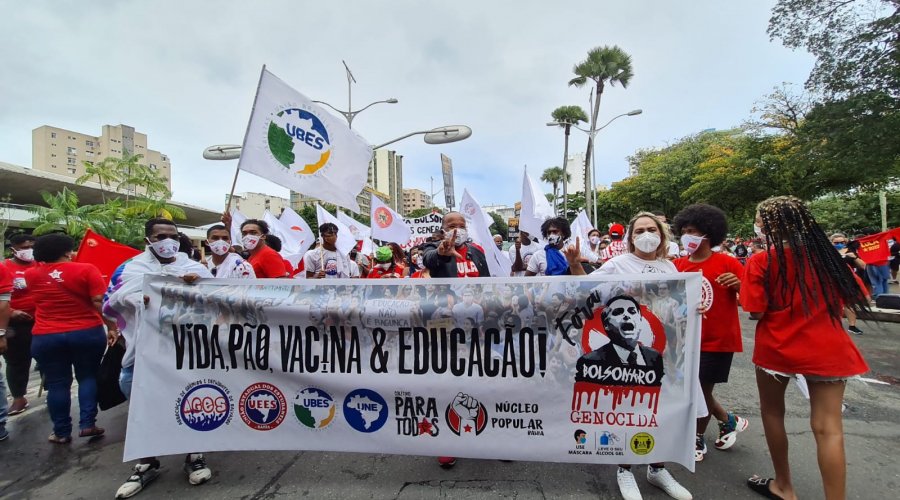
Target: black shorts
(715, 366)
(895, 264)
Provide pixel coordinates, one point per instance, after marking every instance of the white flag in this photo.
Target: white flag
(345, 241)
(388, 225)
(299, 229)
(497, 260)
(292, 242)
(581, 226)
(359, 230)
(294, 143)
(535, 207)
(237, 218)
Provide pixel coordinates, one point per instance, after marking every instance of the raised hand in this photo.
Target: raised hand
(573, 257)
(447, 248)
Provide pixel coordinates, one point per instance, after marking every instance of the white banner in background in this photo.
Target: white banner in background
(592, 370)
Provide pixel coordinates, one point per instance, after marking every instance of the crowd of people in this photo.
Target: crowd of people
(794, 280)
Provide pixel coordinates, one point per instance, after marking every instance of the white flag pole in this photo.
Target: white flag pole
(244, 144)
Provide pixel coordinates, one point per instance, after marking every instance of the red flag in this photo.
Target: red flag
(874, 249)
(106, 254)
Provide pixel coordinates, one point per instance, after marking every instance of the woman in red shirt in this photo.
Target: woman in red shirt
(797, 289)
(68, 332)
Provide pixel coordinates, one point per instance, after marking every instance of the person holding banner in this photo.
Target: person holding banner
(124, 303)
(326, 261)
(647, 252)
(267, 263)
(224, 263)
(797, 291)
(702, 227)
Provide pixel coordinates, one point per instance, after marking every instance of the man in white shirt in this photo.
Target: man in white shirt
(326, 261)
(520, 253)
(224, 263)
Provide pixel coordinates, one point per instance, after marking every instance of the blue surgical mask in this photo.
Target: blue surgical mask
(840, 246)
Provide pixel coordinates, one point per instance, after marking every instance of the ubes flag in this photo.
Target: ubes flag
(105, 254)
(388, 225)
(293, 142)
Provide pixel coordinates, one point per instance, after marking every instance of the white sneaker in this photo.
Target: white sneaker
(140, 477)
(628, 487)
(664, 481)
(195, 466)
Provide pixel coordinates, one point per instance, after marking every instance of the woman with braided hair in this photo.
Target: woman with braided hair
(797, 289)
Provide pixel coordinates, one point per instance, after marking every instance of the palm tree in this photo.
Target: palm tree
(62, 212)
(603, 65)
(553, 176)
(106, 172)
(566, 116)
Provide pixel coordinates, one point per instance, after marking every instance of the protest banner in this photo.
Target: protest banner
(421, 228)
(583, 372)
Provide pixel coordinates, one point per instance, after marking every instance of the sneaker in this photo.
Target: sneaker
(729, 430)
(700, 449)
(3, 433)
(664, 481)
(197, 471)
(854, 330)
(447, 462)
(628, 487)
(140, 477)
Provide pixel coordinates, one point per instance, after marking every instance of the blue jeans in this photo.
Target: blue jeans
(58, 354)
(125, 378)
(879, 277)
(4, 405)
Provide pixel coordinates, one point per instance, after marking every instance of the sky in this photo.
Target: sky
(185, 73)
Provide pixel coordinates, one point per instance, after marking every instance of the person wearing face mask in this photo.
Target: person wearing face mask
(839, 240)
(385, 266)
(455, 256)
(224, 263)
(595, 246)
(417, 258)
(648, 249)
(325, 261)
(267, 263)
(701, 227)
(520, 253)
(616, 244)
(21, 321)
(551, 261)
(124, 304)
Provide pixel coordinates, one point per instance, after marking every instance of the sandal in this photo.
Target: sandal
(761, 486)
(59, 440)
(91, 432)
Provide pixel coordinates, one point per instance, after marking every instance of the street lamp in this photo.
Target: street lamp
(591, 135)
(349, 115)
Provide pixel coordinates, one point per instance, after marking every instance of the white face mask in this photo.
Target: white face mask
(219, 247)
(691, 243)
(384, 265)
(250, 241)
(759, 232)
(26, 255)
(166, 248)
(554, 239)
(462, 236)
(420, 261)
(595, 240)
(647, 242)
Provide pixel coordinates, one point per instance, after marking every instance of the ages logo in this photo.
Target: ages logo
(262, 406)
(365, 410)
(314, 408)
(466, 416)
(204, 405)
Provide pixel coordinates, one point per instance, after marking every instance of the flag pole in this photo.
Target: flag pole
(244, 144)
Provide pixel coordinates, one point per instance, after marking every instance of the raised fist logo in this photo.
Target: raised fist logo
(466, 416)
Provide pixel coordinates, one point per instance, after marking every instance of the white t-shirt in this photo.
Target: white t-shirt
(527, 251)
(335, 264)
(674, 250)
(629, 263)
(234, 266)
(537, 263)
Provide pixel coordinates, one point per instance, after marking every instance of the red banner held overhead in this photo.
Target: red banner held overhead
(106, 254)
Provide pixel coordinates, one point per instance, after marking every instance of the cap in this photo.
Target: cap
(616, 230)
(384, 254)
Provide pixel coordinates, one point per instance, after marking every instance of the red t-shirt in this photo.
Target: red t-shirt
(721, 328)
(465, 268)
(378, 272)
(6, 285)
(787, 340)
(21, 299)
(267, 263)
(62, 296)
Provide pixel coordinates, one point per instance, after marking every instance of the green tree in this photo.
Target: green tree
(603, 66)
(419, 212)
(854, 212)
(106, 171)
(554, 176)
(567, 117)
(63, 213)
(500, 226)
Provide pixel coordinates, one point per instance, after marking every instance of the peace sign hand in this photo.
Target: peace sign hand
(447, 248)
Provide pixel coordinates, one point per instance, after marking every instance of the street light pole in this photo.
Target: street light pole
(349, 115)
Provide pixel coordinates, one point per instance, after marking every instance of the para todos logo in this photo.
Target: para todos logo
(262, 407)
(466, 416)
(299, 140)
(204, 406)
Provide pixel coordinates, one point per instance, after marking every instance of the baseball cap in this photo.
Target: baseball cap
(616, 230)
(384, 254)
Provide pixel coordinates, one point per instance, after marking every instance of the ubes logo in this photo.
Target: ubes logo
(642, 443)
(314, 408)
(262, 406)
(205, 406)
(299, 140)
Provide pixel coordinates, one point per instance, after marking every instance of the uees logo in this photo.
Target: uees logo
(298, 139)
(383, 217)
(466, 416)
(204, 406)
(314, 408)
(642, 443)
(262, 407)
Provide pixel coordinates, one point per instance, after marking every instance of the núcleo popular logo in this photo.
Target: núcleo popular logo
(204, 405)
(298, 140)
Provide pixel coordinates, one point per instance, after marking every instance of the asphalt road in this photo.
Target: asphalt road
(30, 467)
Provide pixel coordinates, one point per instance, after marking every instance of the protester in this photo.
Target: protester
(617, 244)
(797, 291)
(6, 287)
(894, 260)
(124, 303)
(224, 263)
(186, 246)
(550, 260)
(417, 263)
(326, 261)
(647, 252)
(701, 227)
(741, 252)
(274, 242)
(879, 273)
(21, 321)
(839, 240)
(595, 246)
(454, 257)
(68, 332)
(674, 252)
(267, 263)
(498, 240)
(385, 266)
(520, 253)
(399, 259)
